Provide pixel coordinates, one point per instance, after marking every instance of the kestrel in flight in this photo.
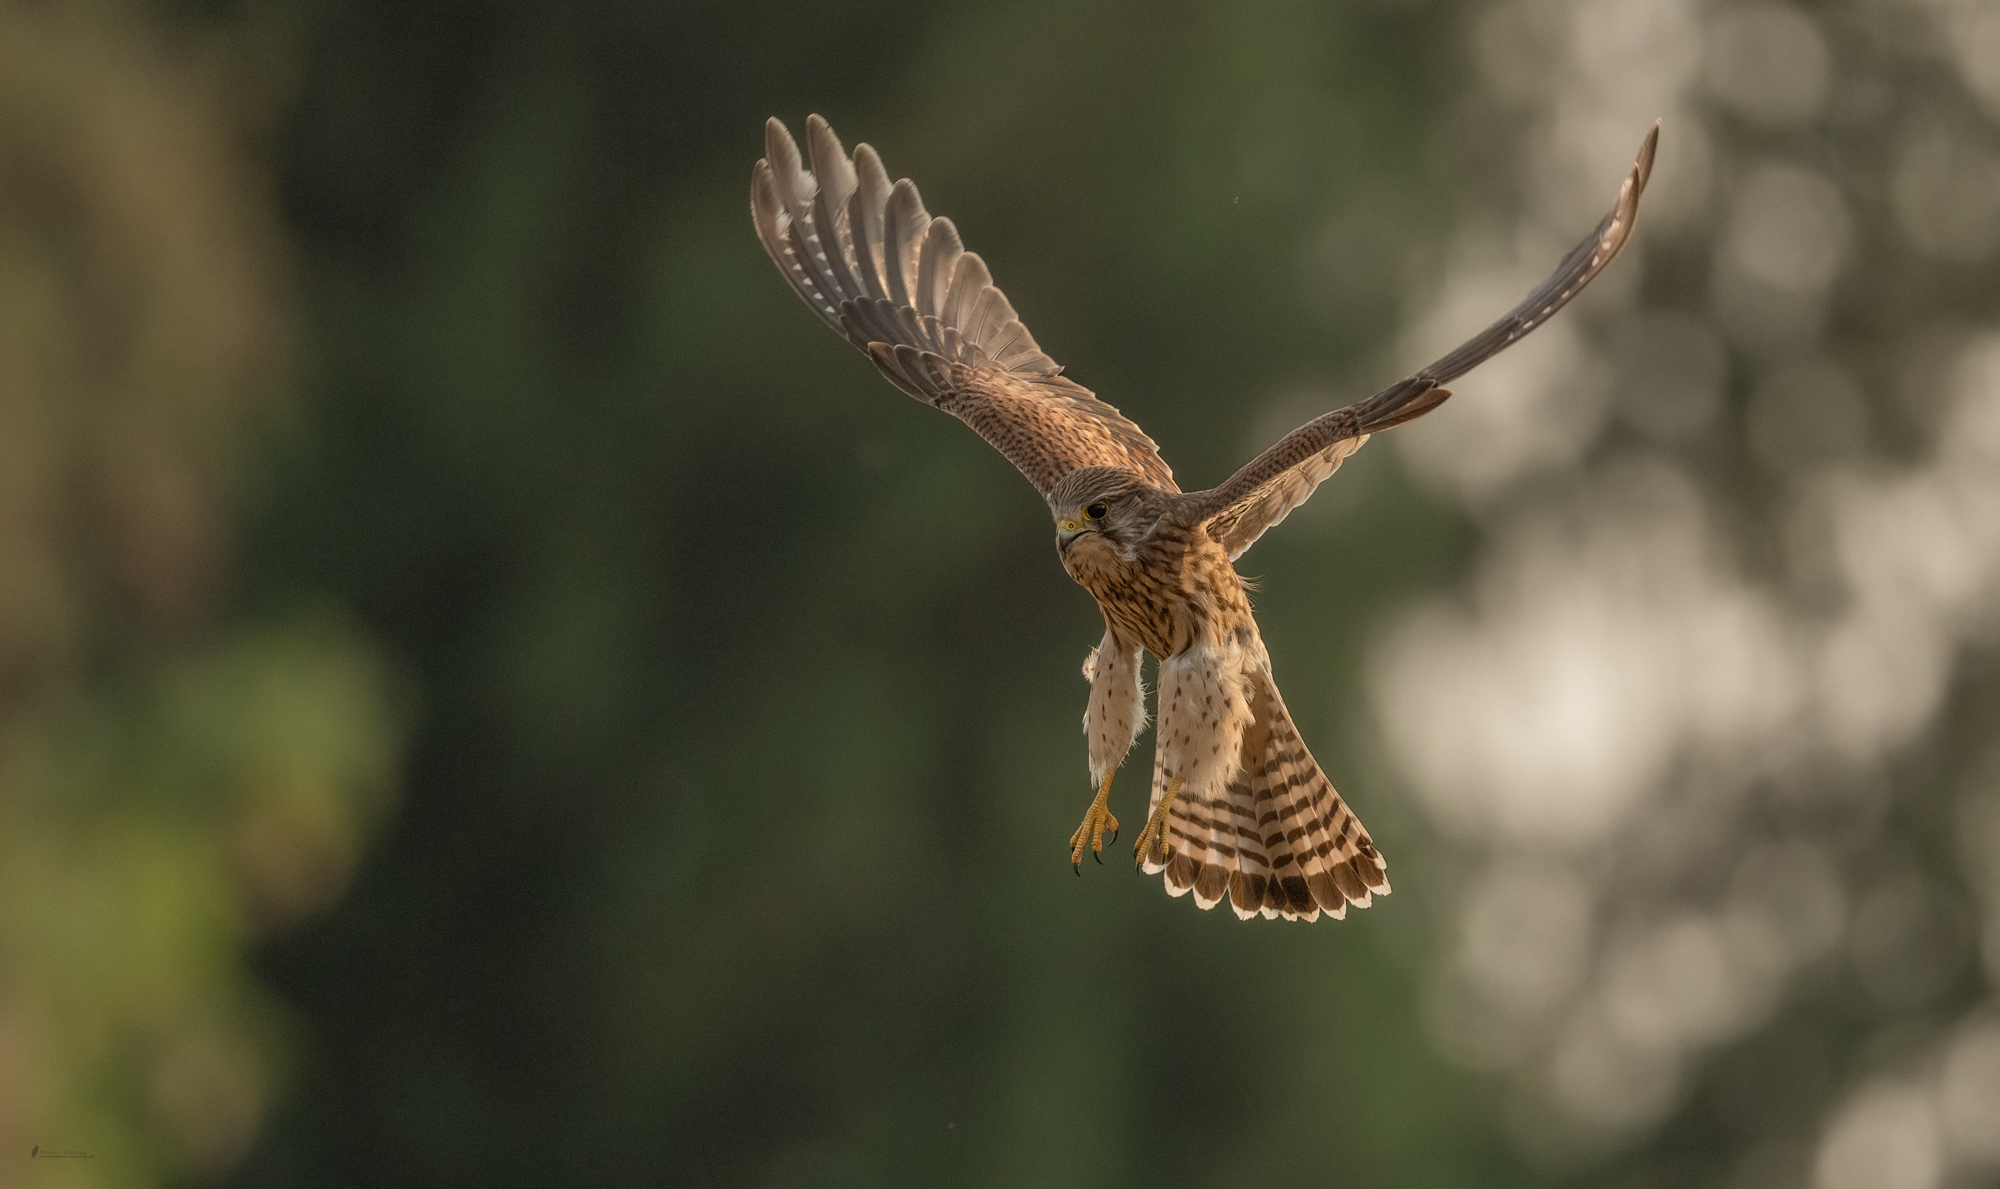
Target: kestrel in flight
(1239, 808)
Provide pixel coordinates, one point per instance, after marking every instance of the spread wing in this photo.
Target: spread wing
(1278, 480)
(873, 264)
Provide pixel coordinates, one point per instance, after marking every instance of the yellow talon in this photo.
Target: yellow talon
(1096, 820)
(1155, 832)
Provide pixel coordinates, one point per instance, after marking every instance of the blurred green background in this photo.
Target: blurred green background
(491, 693)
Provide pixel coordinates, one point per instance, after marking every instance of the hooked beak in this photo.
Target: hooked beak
(1067, 531)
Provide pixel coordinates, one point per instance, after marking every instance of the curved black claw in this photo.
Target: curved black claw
(1090, 835)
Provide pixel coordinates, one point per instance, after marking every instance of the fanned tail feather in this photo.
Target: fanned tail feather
(1277, 840)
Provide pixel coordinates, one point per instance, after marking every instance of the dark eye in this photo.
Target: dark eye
(1095, 511)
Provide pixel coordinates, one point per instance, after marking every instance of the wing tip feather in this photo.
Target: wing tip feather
(845, 237)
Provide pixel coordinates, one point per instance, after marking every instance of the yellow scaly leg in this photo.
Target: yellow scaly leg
(1155, 833)
(1096, 820)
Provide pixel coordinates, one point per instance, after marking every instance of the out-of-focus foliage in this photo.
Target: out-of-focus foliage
(733, 846)
(1713, 719)
(174, 780)
(730, 851)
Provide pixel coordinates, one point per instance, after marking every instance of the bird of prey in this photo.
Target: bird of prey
(1240, 810)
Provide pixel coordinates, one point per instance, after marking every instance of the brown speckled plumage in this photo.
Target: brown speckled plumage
(1248, 816)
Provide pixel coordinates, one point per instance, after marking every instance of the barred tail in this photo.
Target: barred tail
(1278, 840)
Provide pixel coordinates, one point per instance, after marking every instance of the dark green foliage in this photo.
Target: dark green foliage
(732, 849)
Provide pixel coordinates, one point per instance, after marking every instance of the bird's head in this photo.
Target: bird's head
(1103, 505)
